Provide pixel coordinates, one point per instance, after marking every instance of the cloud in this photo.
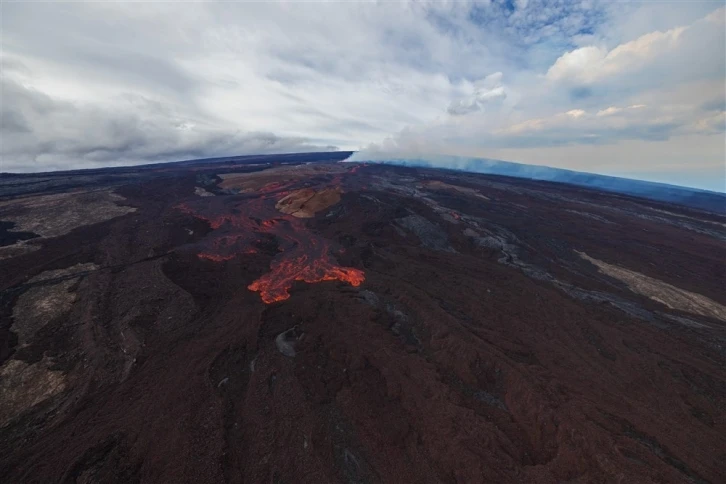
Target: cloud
(580, 127)
(41, 133)
(660, 87)
(111, 83)
(319, 77)
(486, 91)
(668, 49)
(590, 64)
(615, 110)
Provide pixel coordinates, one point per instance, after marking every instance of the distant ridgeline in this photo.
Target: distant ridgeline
(690, 197)
(283, 158)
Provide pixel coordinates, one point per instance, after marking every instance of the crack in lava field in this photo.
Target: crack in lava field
(304, 256)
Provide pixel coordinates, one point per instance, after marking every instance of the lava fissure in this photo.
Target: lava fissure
(303, 255)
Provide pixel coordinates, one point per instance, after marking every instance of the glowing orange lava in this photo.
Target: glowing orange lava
(240, 223)
(274, 285)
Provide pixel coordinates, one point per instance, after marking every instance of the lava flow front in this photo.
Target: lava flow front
(243, 223)
(308, 267)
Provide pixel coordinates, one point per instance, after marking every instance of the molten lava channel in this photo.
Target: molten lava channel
(304, 256)
(274, 285)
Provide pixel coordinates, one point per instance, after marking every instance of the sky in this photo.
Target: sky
(634, 89)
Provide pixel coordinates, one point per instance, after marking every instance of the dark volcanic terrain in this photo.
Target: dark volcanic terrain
(279, 321)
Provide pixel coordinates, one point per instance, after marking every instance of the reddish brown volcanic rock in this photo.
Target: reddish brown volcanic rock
(428, 326)
(305, 203)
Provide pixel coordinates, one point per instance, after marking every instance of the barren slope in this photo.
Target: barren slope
(413, 325)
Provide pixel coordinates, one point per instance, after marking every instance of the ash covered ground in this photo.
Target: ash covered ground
(335, 322)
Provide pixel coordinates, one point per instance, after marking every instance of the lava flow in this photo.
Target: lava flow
(241, 229)
(274, 285)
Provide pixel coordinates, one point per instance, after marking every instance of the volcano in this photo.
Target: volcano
(294, 318)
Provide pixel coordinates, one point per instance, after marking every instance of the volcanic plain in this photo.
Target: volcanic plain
(285, 321)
